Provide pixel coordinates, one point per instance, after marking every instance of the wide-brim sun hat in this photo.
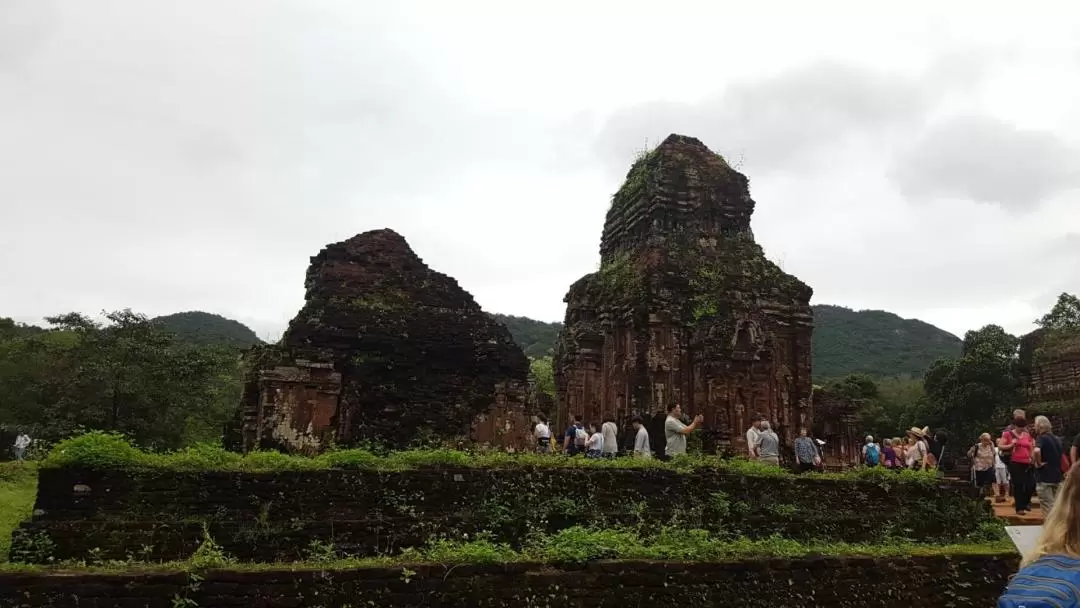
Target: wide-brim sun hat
(916, 431)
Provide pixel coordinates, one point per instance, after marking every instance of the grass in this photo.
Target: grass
(570, 546)
(100, 450)
(18, 487)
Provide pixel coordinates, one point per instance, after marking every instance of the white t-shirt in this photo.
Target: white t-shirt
(752, 436)
(673, 433)
(595, 442)
(611, 437)
(22, 441)
(641, 443)
(541, 431)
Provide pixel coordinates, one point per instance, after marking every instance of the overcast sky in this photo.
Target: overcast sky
(169, 156)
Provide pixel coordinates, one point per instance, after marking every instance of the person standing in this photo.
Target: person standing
(642, 449)
(22, 442)
(594, 445)
(542, 435)
(675, 431)
(611, 437)
(1047, 462)
(1017, 444)
(805, 452)
(871, 452)
(752, 434)
(982, 457)
(768, 446)
(574, 439)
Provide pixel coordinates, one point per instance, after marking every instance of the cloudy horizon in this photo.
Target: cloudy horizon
(167, 157)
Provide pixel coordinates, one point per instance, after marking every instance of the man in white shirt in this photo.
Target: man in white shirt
(675, 431)
(542, 435)
(611, 438)
(21, 443)
(753, 435)
(642, 449)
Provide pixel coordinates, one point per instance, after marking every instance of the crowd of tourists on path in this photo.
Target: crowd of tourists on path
(1026, 460)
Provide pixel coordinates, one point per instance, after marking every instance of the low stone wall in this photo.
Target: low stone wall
(961, 581)
(275, 516)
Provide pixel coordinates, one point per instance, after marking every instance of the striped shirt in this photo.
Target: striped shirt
(1052, 581)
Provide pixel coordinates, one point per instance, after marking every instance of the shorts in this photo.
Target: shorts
(984, 478)
(1001, 474)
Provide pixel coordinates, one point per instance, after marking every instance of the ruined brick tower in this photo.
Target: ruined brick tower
(686, 308)
(387, 350)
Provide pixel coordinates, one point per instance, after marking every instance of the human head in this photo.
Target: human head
(764, 425)
(636, 421)
(577, 418)
(542, 418)
(1061, 530)
(869, 439)
(592, 426)
(1019, 414)
(1042, 425)
(886, 442)
(609, 418)
(985, 438)
(674, 409)
(1020, 422)
(756, 423)
(802, 432)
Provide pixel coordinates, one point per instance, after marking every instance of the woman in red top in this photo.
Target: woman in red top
(1016, 444)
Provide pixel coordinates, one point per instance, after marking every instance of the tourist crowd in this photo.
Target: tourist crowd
(1024, 460)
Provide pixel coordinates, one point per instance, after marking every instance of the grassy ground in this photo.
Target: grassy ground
(18, 487)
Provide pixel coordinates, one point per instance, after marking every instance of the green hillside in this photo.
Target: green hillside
(873, 342)
(207, 329)
(876, 342)
(536, 338)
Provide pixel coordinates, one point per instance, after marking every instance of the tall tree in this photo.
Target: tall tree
(971, 393)
(1065, 315)
(126, 375)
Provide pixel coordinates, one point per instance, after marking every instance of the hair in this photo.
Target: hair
(609, 418)
(764, 425)
(637, 420)
(869, 438)
(886, 442)
(1042, 425)
(1019, 414)
(1020, 422)
(804, 430)
(592, 425)
(671, 407)
(897, 441)
(541, 417)
(577, 417)
(985, 436)
(1061, 530)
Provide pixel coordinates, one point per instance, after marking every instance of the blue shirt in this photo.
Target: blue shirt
(1052, 581)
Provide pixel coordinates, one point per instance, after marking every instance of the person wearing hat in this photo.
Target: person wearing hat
(916, 452)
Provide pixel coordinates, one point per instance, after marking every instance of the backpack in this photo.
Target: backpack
(580, 436)
(872, 455)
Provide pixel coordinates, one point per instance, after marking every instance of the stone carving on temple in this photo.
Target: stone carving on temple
(385, 350)
(686, 308)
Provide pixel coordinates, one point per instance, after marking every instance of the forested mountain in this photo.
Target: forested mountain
(207, 329)
(876, 343)
(872, 342)
(536, 338)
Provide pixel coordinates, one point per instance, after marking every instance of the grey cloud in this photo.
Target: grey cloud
(782, 120)
(986, 160)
